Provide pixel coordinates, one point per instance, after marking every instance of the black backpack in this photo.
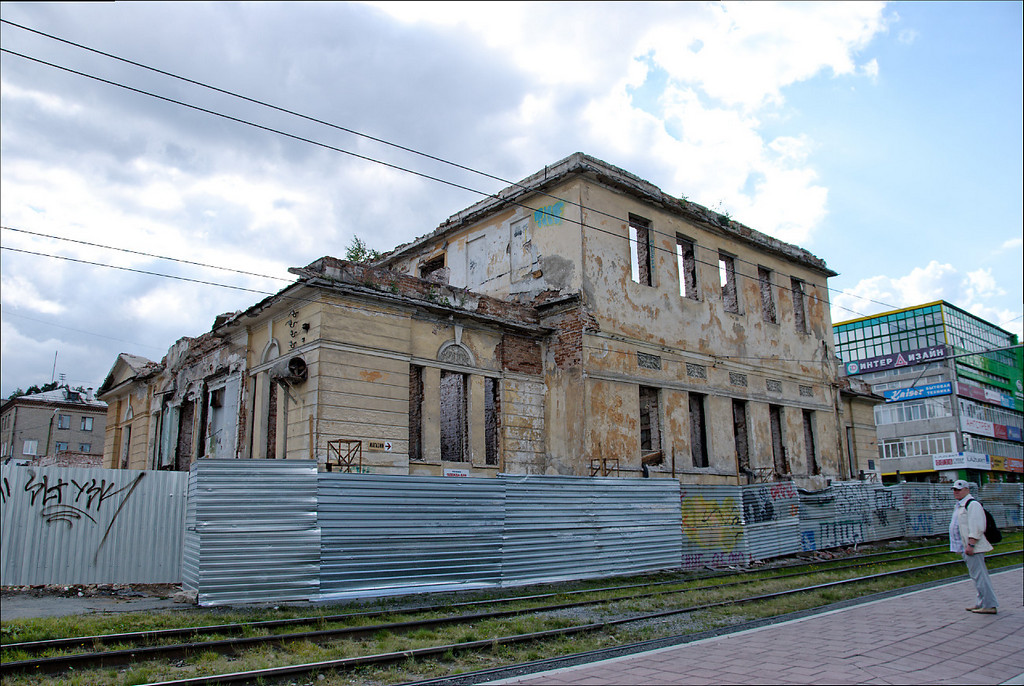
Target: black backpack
(992, 532)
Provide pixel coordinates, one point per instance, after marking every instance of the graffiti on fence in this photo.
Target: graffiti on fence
(73, 501)
(832, 535)
(711, 523)
(762, 503)
(719, 559)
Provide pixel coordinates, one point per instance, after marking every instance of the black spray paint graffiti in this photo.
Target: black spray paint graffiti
(71, 501)
(5, 491)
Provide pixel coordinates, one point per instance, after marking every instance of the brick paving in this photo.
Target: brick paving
(924, 637)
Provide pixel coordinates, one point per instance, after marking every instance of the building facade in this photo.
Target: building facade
(952, 409)
(580, 322)
(61, 427)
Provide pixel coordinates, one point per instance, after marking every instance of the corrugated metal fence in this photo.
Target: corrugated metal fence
(76, 525)
(277, 530)
(381, 535)
(251, 532)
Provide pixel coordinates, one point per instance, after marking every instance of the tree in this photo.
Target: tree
(357, 251)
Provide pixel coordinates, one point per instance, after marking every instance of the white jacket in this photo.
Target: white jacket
(970, 518)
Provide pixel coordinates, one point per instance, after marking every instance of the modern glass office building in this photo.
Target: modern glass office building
(954, 390)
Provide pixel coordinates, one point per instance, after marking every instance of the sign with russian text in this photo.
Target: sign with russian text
(979, 427)
(895, 360)
(1008, 464)
(456, 472)
(931, 390)
(961, 461)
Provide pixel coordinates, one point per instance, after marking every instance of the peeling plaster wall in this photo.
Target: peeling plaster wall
(360, 348)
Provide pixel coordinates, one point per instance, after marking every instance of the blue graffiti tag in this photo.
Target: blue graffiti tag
(550, 215)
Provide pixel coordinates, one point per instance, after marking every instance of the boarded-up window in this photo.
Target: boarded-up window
(798, 306)
(698, 431)
(739, 432)
(778, 441)
(453, 416)
(415, 412)
(809, 443)
(764, 278)
(650, 420)
(640, 250)
(492, 412)
(727, 276)
(687, 263)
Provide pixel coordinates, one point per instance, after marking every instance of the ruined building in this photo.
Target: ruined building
(580, 322)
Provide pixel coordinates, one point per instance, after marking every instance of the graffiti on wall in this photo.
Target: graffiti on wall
(550, 215)
(712, 524)
(68, 502)
(765, 503)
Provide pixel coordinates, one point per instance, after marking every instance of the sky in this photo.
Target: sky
(883, 138)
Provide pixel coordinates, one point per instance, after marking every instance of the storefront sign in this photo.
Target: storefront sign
(900, 359)
(898, 394)
(979, 427)
(961, 461)
(378, 446)
(1008, 464)
(1013, 433)
(985, 395)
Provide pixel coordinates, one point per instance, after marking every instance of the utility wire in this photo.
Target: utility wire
(144, 254)
(373, 138)
(387, 164)
(302, 300)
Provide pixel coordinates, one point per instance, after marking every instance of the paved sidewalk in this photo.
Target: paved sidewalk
(924, 637)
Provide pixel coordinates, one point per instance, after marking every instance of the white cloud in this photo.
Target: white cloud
(972, 291)
(19, 292)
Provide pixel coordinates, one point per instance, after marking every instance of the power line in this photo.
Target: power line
(137, 271)
(375, 139)
(144, 254)
(370, 159)
(369, 137)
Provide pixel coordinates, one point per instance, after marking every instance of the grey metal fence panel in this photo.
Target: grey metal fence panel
(771, 515)
(712, 526)
(384, 535)
(190, 544)
(84, 525)
(561, 527)
(928, 508)
(1005, 502)
(886, 519)
(256, 532)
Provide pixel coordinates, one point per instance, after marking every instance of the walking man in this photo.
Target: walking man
(967, 537)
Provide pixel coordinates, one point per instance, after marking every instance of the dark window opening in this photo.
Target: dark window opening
(650, 420)
(739, 432)
(183, 450)
(687, 264)
(492, 410)
(781, 461)
(764, 277)
(698, 431)
(433, 269)
(640, 251)
(453, 417)
(727, 276)
(415, 412)
(812, 454)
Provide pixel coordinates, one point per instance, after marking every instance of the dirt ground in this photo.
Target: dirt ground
(19, 602)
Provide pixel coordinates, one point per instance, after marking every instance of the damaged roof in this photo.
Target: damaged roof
(582, 164)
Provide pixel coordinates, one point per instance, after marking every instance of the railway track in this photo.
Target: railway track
(139, 637)
(607, 595)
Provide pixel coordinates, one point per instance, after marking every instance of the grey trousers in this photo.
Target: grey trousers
(979, 575)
